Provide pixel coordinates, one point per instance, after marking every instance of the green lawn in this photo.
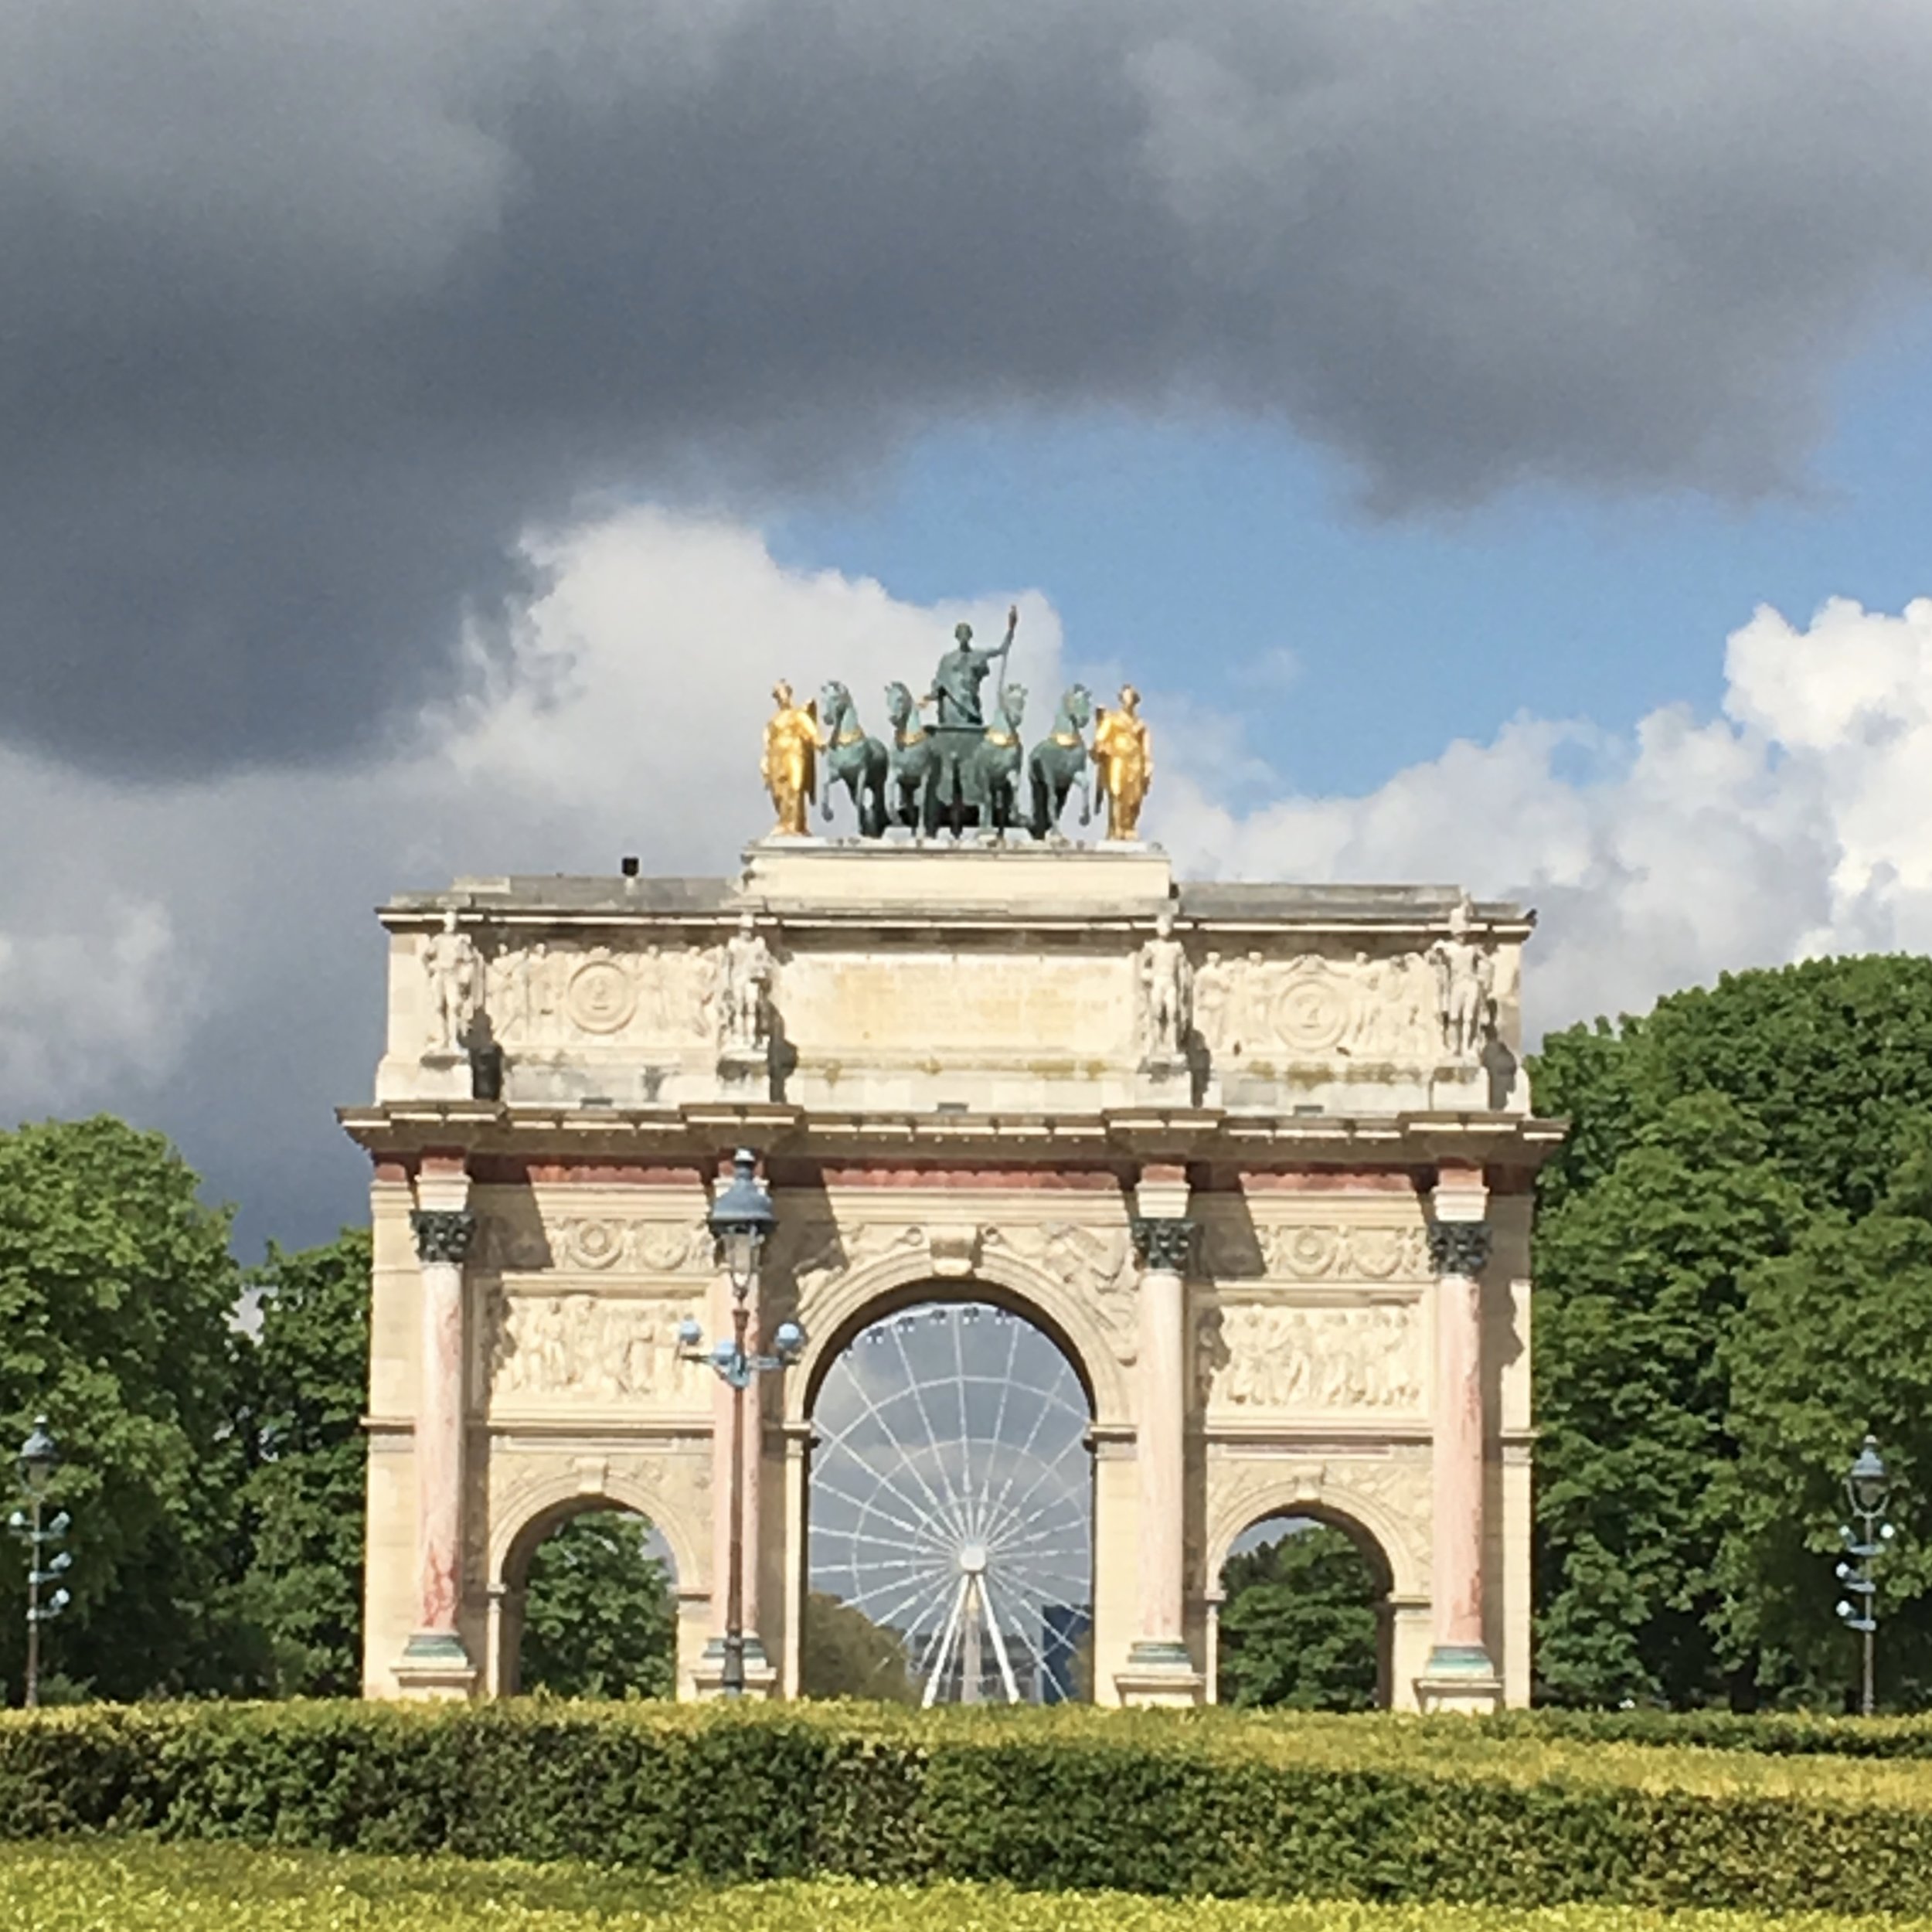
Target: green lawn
(125, 1885)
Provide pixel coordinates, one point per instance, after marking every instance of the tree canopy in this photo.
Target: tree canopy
(1732, 1254)
(1299, 1624)
(116, 1298)
(599, 1618)
(309, 1381)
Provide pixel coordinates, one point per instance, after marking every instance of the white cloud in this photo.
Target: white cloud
(1798, 822)
(202, 956)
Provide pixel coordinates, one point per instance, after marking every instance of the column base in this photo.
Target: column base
(1160, 1673)
(1459, 1677)
(435, 1665)
(761, 1675)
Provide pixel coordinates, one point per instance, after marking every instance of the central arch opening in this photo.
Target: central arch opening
(950, 1525)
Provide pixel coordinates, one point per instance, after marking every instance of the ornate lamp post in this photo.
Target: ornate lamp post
(39, 1458)
(1868, 1487)
(741, 1220)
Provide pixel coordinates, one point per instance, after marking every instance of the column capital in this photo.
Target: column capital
(1164, 1244)
(1459, 1247)
(443, 1234)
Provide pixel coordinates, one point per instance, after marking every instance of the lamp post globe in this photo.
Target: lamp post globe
(1867, 1481)
(741, 1220)
(39, 1458)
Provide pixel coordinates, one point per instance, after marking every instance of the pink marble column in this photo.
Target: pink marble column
(1459, 1246)
(443, 1237)
(1164, 1244)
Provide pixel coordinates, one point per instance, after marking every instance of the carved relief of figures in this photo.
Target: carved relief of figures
(1311, 1007)
(545, 995)
(581, 1345)
(743, 990)
(1465, 978)
(1166, 989)
(1319, 1359)
(455, 972)
(1095, 1265)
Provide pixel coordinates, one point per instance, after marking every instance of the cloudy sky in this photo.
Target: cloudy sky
(1495, 434)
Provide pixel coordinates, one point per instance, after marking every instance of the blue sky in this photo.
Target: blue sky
(1234, 563)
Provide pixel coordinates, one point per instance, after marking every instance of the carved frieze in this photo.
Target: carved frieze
(1095, 1265)
(594, 1243)
(1312, 1008)
(1318, 1251)
(1323, 1360)
(588, 1348)
(552, 996)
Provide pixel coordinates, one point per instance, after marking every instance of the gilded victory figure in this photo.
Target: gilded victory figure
(792, 744)
(1124, 760)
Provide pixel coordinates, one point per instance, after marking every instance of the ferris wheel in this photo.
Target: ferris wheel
(951, 1500)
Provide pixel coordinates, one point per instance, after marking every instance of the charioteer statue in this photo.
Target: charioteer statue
(950, 766)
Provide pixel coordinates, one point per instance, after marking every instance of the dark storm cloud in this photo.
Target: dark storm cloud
(308, 312)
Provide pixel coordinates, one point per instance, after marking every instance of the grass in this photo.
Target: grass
(125, 1885)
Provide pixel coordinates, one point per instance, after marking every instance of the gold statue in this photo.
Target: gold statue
(792, 744)
(1124, 758)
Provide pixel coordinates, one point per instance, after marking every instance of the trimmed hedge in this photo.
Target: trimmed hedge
(1384, 1809)
(1778, 1733)
(124, 1885)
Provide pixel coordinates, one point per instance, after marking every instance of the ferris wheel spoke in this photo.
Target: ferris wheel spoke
(1017, 1511)
(997, 1433)
(908, 1460)
(908, 1606)
(933, 1439)
(1026, 1451)
(867, 1508)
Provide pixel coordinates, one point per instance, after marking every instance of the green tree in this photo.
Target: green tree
(1299, 1624)
(309, 1384)
(1721, 1147)
(1835, 1338)
(116, 1298)
(843, 1653)
(599, 1618)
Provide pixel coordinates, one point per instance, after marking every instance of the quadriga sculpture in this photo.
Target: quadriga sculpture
(991, 780)
(857, 762)
(913, 763)
(1058, 761)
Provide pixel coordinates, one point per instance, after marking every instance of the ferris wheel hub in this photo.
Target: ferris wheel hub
(972, 1559)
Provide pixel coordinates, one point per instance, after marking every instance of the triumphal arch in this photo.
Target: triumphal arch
(1255, 1159)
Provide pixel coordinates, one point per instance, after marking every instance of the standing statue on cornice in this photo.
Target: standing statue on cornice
(1465, 979)
(743, 990)
(1124, 760)
(963, 670)
(454, 967)
(792, 743)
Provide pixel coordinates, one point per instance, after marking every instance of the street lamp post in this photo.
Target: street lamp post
(741, 1221)
(34, 1467)
(1868, 1487)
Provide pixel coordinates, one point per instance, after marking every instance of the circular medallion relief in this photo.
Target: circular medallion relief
(1312, 1016)
(600, 999)
(595, 1244)
(1308, 1252)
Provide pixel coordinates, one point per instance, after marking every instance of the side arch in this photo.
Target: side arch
(1396, 1538)
(527, 1511)
(833, 1316)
